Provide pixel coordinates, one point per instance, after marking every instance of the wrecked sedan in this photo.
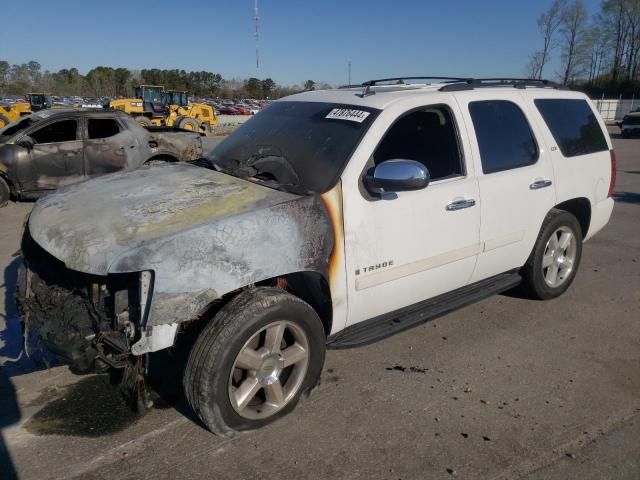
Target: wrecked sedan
(51, 148)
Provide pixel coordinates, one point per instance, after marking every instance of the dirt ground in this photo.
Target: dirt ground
(506, 388)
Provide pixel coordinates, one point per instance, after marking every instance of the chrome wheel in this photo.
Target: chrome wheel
(269, 370)
(559, 257)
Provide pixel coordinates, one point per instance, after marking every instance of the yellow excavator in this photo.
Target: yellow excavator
(12, 112)
(155, 106)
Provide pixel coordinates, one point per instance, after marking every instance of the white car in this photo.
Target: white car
(334, 218)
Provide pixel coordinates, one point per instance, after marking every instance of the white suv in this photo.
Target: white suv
(334, 218)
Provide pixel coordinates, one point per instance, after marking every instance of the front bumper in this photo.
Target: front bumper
(89, 321)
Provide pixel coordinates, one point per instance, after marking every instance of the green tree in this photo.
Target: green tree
(268, 86)
(253, 87)
(4, 71)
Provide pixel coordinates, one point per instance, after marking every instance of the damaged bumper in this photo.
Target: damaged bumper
(92, 322)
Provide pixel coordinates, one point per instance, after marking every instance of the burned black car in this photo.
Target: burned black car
(52, 148)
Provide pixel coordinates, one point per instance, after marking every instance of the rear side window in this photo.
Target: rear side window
(102, 128)
(573, 125)
(504, 136)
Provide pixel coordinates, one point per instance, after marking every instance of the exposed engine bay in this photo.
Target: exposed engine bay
(89, 321)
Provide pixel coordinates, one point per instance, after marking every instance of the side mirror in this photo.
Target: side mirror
(397, 176)
(26, 142)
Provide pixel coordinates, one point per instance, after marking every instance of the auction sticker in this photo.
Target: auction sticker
(348, 114)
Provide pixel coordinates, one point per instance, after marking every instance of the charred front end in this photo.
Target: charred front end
(89, 321)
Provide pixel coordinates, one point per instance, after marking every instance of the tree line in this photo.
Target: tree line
(598, 53)
(102, 81)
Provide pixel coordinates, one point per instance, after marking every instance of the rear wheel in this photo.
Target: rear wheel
(254, 361)
(4, 121)
(555, 258)
(5, 192)
(143, 121)
(188, 123)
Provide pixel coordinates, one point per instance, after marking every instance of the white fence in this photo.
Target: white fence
(612, 110)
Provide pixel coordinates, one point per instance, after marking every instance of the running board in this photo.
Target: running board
(388, 324)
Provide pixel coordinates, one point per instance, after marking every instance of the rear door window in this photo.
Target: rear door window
(504, 136)
(573, 125)
(102, 128)
(57, 132)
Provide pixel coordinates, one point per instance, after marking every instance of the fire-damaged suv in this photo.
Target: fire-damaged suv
(331, 219)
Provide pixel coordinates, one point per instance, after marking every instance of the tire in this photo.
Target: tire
(4, 121)
(143, 121)
(205, 129)
(188, 123)
(214, 372)
(5, 192)
(537, 279)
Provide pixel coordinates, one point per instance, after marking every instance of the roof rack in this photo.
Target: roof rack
(460, 83)
(520, 83)
(401, 81)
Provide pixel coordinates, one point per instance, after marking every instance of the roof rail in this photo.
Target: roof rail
(520, 83)
(401, 81)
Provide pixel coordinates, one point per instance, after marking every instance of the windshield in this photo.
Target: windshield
(11, 130)
(299, 147)
(38, 99)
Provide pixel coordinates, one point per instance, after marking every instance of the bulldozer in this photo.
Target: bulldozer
(33, 102)
(155, 106)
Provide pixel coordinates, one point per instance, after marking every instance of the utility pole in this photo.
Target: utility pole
(349, 73)
(256, 35)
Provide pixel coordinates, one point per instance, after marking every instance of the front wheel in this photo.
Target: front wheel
(254, 360)
(555, 258)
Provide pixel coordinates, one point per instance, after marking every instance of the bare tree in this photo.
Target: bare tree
(596, 46)
(613, 20)
(633, 38)
(534, 67)
(572, 30)
(548, 23)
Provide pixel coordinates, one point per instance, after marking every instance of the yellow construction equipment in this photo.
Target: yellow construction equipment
(12, 112)
(155, 106)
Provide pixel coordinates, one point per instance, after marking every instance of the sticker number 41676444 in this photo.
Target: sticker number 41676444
(348, 114)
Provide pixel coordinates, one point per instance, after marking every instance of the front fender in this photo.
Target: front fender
(195, 267)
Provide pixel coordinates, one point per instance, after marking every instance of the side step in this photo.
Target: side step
(388, 324)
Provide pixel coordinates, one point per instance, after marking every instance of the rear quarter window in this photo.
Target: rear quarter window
(574, 126)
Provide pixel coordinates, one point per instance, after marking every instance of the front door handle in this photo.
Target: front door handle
(460, 204)
(72, 153)
(538, 184)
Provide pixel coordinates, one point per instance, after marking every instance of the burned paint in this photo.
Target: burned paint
(202, 233)
(337, 269)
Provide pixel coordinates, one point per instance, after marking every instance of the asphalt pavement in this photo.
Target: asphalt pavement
(506, 388)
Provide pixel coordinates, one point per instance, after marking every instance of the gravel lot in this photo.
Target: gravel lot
(506, 388)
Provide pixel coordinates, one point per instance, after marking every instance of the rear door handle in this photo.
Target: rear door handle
(72, 153)
(538, 184)
(460, 204)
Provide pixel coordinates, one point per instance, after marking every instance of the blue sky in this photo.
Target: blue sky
(299, 39)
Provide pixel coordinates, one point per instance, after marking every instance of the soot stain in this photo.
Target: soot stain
(400, 368)
(92, 407)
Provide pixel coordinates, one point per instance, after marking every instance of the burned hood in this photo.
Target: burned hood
(89, 225)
